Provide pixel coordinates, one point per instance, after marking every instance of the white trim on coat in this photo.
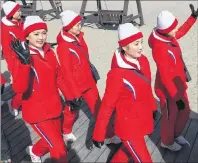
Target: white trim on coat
(75, 53)
(159, 38)
(32, 52)
(12, 34)
(7, 22)
(128, 84)
(66, 38)
(172, 55)
(36, 74)
(121, 62)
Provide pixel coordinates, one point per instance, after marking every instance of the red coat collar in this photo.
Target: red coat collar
(164, 39)
(70, 38)
(8, 22)
(46, 48)
(120, 61)
(127, 62)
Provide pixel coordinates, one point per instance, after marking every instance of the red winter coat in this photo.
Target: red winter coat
(8, 27)
(130, 96)
(73, 58)
(39, 85)
(3, 81)
(170, 77)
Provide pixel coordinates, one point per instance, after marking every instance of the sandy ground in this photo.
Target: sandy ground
(102, 43)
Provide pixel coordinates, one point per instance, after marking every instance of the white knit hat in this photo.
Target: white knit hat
(128, 33)
(166, 22)
(33, 23)
(69, 19)
(10, 8)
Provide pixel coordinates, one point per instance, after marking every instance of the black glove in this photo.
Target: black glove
(98, 144)
(155, 115)
(194, 13)
(76, 104)
(22, 52)
(180, 104)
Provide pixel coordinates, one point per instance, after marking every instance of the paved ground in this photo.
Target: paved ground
(21, 135)
(102, 43)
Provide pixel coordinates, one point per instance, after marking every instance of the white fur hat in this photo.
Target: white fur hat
(10, 8)
(69, 19)
(166, 22)
(128, 33)
(33, 23)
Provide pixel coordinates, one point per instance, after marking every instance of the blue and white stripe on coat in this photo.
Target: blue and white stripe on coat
(36, 75)
(75, 53)
(172, 55)
(130, 86)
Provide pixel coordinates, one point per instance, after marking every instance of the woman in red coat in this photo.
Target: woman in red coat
(38, 78)
(170, 83)
(11, 26)
(73, 56)
(129, 93)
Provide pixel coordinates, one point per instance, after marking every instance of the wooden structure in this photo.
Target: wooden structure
(30, 9)
(114, 16)
(21, 135)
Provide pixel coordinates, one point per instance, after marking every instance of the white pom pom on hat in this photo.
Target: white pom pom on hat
(69, 19)
(128, 33)
(33, 23)
(166, 22)
(10, 8)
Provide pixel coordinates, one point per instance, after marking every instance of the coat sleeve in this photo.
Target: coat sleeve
(5, 43)
(21, 75)
(60, 81)
(185, 27)
(112, 93)
(147, 68)
(167, 73)
(153, 104)
(62, 85)
(85, 48)
(3, 81)
(67, 69)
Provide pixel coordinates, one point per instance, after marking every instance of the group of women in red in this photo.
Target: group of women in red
(39, 74)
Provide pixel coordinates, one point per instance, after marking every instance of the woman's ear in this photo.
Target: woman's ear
(124, 48)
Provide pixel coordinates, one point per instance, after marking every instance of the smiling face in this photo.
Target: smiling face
(133, 49)
(76, 29)
(37, 38)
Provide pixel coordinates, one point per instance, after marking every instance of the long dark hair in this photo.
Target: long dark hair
(122, 51)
